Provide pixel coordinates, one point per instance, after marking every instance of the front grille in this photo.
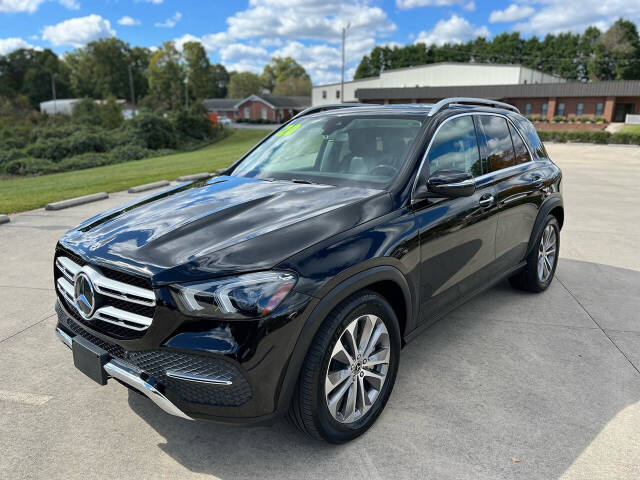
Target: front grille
(157, 362)
(124, 303)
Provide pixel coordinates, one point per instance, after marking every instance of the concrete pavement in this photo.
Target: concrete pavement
(510, 385)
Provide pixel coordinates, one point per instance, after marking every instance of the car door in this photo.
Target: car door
(518, 182)
(456, 234)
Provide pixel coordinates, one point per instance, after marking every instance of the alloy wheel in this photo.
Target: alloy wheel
(357, 368)
(547, 253)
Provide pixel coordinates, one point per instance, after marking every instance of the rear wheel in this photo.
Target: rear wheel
(349, 371)
(542, 260)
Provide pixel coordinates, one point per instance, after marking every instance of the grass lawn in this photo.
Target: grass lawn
(21, 194)
(630, 129)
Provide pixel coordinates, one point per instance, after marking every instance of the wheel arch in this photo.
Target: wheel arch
(553, 206)
(386, 280)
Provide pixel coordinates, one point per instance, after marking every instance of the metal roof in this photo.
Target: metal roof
(220, 103)
(612, 88)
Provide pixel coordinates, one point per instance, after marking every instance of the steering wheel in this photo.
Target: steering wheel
(384, 170)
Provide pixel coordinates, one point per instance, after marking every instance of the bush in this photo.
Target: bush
(126, 153)
(27, 166)
(51, 148)
(593, 136)
(152, 131)
(558, 118)
(9, 155)
(189, 125)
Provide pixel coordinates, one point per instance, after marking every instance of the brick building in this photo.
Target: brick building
(611, 99)
(273, 108)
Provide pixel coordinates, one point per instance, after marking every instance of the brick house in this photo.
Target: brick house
(610, 99)
(273, 108)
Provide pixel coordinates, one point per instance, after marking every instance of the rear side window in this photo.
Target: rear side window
(455, 147)
(522, 154)
(531, 136)
(499, 147)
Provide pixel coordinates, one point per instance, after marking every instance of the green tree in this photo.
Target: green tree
(295, 86)
(166, 78)
(29, 72)
(198, 70)
(243, 84)
(617, 53)
(219, 80)
(283, 70)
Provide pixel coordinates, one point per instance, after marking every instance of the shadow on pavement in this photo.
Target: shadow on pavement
(509, 375)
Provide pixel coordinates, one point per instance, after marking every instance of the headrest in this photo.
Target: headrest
(362, 142)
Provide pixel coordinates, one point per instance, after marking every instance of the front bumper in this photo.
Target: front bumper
(129, 375)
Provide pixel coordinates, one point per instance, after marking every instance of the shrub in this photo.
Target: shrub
(191, 125)
(52, 149)
(8, 155)
(558, 118)
(27, 166)
(152, 131)
(126, 153)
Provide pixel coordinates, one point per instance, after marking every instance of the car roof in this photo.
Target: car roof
(403, 109)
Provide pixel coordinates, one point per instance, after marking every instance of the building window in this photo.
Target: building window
(246, 112)
(324, 94)
(560, 110)
(545, 107)
(599, 109)
(264, 113)
(527, 109)
(579, 109)
(338, 94)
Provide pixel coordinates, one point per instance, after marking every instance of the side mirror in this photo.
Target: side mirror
(451, 184)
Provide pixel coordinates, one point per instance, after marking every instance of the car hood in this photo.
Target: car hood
(219, 226)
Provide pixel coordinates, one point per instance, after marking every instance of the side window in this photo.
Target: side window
(522, 154)
(455, 147)
(499, 147)
(530, 134)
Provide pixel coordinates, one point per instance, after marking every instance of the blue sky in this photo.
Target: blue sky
(243, 35)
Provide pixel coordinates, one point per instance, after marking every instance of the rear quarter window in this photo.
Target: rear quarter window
(530, 134)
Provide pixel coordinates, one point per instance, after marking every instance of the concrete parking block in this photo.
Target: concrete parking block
(149, 186)
(72, 202)
(195, 176)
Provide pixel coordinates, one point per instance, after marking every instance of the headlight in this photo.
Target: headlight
(251, 295)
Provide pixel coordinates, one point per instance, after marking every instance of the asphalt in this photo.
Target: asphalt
(509, 386)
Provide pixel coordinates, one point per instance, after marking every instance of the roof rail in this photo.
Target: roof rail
(445, 102)
(332, 106)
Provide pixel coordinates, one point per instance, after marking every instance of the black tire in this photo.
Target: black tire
(528, 278)
(309, 410)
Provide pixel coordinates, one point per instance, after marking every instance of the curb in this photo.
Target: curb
(195, 176)
(72, 202)
(4, 219)
(149, 186)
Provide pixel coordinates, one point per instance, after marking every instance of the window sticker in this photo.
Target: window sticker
(288, 130)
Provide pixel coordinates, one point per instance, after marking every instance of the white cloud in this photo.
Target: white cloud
(128, 21)
(555, 16)
(170, 22)
(454, 30)
(30, 6)
(8, 45)
(70, 4)
(407, 4)
(78, 31)
(512, 13)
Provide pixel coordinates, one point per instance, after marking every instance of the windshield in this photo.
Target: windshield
(335, 150)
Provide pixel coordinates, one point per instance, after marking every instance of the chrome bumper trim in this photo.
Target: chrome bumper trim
(125, 373)
(198, 379)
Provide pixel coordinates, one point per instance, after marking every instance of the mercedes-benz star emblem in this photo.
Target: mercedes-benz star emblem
(84, 296)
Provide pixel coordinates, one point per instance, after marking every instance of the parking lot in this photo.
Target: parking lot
(510, 385)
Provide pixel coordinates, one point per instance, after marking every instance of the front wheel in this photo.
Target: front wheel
(542, 260)
(349, 371)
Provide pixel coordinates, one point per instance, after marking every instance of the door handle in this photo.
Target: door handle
(536, 180)
(486, 200)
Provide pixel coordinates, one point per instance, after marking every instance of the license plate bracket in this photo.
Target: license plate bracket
(90, 359)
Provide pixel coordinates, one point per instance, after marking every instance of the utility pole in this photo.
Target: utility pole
(53, 92)
(344, 34)
(133, 93)
(186, 91)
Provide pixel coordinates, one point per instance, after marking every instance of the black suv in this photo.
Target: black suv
(289, 284)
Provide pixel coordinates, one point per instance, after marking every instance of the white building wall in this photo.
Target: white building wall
(63, 106)
(435, 75)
